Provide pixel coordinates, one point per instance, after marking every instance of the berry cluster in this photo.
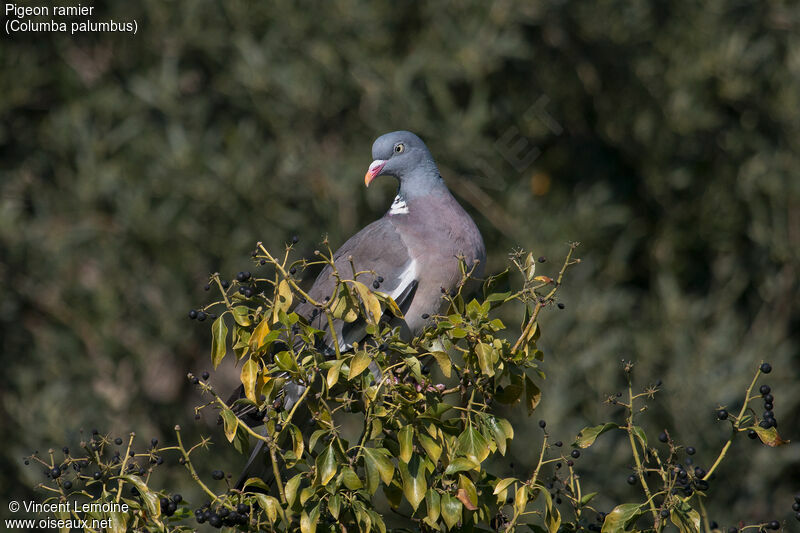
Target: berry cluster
(223, 516)
(768, 418)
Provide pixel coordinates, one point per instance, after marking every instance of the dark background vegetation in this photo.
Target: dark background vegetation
(665, 136)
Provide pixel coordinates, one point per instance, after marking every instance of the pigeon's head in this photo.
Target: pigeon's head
(403, 155)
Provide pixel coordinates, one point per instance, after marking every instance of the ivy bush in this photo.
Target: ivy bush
(394, 434)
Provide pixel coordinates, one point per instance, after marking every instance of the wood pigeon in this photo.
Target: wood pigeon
(414, 250)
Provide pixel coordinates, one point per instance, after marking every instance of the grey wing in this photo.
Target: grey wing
(379, 249)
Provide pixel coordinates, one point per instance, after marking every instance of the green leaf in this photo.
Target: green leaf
(258, 339)
(229, 419)
(283, 298)
(484, 354)
(639, 432)
(414, 482)
(433, 501)
(378, 466)
(240, 315)
(552, 518)
(308, 521)
(586, 498)
(467, 493)
(503, 484)
(255, 482)
(444, 363)
(270, 505)
(249, 377)
(769, 436)
(521, 499)
(390, 304)
(685, 518)
(334, 505)
(621, 517)
(473, 445)
(219, 334)
(498, 434)
(430, 446)
(405, 437)
(532, 395)
(149, 498)
(588, 435)
(451, 510)
(299, 444)
(415, 366)
(351, 479)
(326, 465)
(371, 303)
(333, 373)
(358, 364)
(460, 464)
(290, 490)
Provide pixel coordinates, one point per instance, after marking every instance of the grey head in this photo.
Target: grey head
(404, 156)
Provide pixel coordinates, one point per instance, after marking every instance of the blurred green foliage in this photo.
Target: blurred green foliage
(665, 136)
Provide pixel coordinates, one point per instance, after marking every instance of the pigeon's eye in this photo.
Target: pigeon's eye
(398, 149)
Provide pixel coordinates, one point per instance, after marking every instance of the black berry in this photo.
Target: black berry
(766, 368)
(632, 479)
(560, 305)
(575, 453)
(663, 437)
(764, 390)
(722, 414)
(690, 450)
(205, 375)
(542, 424)
(217, 474)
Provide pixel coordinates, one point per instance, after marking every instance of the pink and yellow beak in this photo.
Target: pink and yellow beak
(374, 171)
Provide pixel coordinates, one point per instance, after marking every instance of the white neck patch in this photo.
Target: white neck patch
(399, 206)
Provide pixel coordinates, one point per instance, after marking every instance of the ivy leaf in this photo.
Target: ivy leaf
(503, 484)
(249, 377)
(685, 518)
(358, 364)
(290, 490)
(351, 479)
(520, 499)
(149, 498)
(498, 434)
(326, 465)
(405, 437)
(378, 466)
(219, 334)
(229, 419)
(371, 303)
(430, 446)
(484, 354)
(332, 377)
(460, 464)
(621, 517)
(444, 362)
(473, 445)
(414, 483)
(283, 298)
(586, 498)
(639, 432)
(308, 521)
(451, 510)
(588, 435)
(240, 315)
(769, 436)
(259, 336)
(433, 501)
(467, 493)
(270, 505)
